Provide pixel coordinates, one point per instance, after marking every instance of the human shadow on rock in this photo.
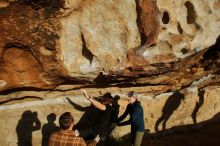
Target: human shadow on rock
(48, 129)
(172, 103)
(87, 120)
(28, 123)
(198, 105)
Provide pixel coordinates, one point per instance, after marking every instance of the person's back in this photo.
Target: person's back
(137, 116)
(66, 136)
(103, 123)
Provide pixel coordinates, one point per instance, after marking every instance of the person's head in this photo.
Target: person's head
(29, 115)
(116, 97)
(51, 117)
(107, 98)
(66, 121)
(132, 96)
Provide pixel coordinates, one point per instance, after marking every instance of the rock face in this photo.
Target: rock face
(167, 112)
(89, 40)
(51, 48)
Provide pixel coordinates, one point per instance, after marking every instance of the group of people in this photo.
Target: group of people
(68, 135)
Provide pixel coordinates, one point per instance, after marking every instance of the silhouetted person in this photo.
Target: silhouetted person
(198, 105)
(28, 123)
(48, 129)
(172, 103)
(92, 114)
(105, 110)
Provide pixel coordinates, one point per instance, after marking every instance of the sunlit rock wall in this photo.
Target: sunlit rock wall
(51, 48)
(83, 40)
(166, 112)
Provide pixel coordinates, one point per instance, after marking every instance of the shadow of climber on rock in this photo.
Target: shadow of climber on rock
(48, 129)
(28, 123)
(198, 105)
(172, 103)
(87, 120)
(91, 121)
(116, 108)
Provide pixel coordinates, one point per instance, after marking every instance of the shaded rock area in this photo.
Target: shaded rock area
(167, 51)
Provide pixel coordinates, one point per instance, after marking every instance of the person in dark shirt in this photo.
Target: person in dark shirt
(135, 110)
(102, 124)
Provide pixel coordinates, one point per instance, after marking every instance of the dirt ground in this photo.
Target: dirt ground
(193, 136)
(207, 136)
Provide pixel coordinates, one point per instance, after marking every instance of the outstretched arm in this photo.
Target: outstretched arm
(122, 117)
(96, 103)
(37, 125)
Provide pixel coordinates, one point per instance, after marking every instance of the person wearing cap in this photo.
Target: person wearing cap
(66, 136)
(135, 110)
(105, 109)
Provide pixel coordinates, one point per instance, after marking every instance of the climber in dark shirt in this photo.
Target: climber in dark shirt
(105, 109)
(135, 110)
